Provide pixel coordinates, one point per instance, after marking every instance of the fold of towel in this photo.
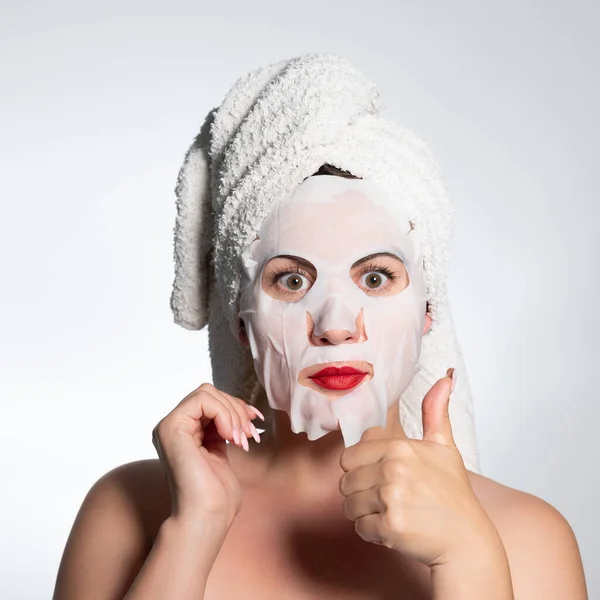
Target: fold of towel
(276, 126)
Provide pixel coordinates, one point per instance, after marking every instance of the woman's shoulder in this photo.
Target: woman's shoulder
(143, 486)
(537, 538)
(499, 499)
(505, 505)
(135, 492)
(113, 531)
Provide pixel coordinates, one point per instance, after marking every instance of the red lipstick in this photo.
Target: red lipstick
(338, 378)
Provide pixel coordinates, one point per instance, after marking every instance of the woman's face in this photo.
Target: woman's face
(333, 304)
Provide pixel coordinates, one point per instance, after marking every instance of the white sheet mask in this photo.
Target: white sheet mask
(332, 222)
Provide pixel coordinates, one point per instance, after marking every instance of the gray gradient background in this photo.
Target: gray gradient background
(97, 107)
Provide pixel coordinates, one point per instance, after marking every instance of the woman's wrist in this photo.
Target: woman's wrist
(180, 561)
(198, 540)
(479, 570)
(194, 529)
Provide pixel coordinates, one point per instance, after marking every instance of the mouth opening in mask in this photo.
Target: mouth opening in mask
(335, 379)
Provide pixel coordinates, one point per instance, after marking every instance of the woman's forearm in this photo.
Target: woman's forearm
(481, 571)
(179, 563)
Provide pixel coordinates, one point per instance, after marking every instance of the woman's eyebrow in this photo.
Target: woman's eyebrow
(298, 259)
(372, 256)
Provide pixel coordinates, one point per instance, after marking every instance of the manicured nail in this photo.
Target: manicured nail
(255, 433)
(452, 373)
(242, 436)
(245, 444)
(256, 411)
(236, 436)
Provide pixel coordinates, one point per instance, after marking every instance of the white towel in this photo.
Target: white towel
(276, 126)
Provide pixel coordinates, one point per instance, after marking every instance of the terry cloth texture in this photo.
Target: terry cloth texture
(276, 126)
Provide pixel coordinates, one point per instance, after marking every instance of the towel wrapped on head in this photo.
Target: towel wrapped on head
(276, 126)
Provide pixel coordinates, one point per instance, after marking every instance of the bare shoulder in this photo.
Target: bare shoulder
(510, 508)
(137, 489)
(113, 532)
(540, 544)
(144, 487)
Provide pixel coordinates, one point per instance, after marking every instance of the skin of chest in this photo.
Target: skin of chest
(309, 551)
(313, 552)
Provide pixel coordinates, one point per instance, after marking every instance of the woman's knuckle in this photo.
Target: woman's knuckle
(392, 470)
(383, 493)
(201, 396)
(393, 520)
(402, 449)
(397, 448)
(169, 428)
(389, 495)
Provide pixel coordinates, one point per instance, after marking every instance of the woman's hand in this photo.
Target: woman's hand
(190, 442)
(414, 496)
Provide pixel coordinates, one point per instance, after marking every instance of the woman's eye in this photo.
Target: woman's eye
(294, 282)
(374, 280)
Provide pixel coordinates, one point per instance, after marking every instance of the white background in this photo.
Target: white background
(98, 105)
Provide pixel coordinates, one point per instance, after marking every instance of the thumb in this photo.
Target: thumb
(436, 418)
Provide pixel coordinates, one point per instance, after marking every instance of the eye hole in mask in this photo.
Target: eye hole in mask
(289, 278)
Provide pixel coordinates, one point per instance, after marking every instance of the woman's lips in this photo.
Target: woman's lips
(338, 378)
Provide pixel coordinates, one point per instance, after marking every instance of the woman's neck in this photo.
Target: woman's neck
(309, 470)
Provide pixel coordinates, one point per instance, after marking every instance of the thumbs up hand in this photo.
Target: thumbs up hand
(414, 496)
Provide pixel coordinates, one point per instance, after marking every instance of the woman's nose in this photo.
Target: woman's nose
(334, 337)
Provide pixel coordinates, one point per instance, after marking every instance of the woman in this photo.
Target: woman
(324, 290)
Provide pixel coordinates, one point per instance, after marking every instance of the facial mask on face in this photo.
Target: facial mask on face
(332, 222)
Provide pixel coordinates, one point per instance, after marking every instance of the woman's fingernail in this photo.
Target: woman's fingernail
(245, 444)
(256, 411)
(236, 438)
(255, 433)
(452, 374)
